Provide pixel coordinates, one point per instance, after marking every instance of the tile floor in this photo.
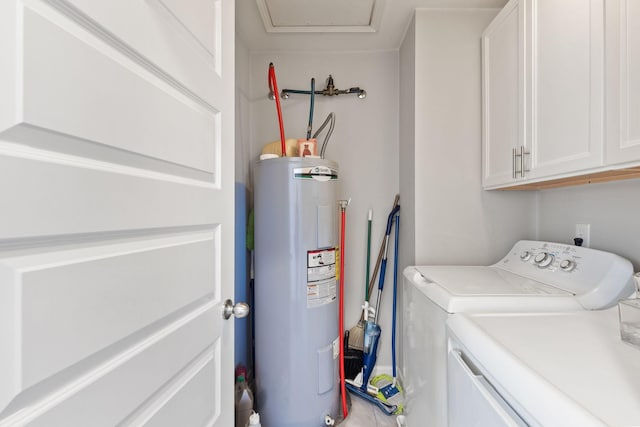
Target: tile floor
(365, 414)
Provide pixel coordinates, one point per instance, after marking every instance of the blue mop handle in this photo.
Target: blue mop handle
(383, 270)
(394, 211)
(383, 266)
(372, 330)
(395, 294)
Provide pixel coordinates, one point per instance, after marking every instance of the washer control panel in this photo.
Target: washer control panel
(553, 256)
(601, 277)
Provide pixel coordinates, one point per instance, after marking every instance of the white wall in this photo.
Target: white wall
(447, 218)
(407, 143)
(408, 146)
(456, 221)
(364, 143)
(611, 208)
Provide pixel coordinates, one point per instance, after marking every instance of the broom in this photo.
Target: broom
(353, 356)
(356, 333)
(358, 329)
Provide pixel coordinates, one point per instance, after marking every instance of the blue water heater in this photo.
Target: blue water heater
(296, 307)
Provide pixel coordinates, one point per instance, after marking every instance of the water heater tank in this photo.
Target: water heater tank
(295, 307)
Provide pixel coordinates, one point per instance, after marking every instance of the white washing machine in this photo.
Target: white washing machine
(542, 370)
(533, 277)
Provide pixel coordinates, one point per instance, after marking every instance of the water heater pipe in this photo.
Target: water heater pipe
(273, 87)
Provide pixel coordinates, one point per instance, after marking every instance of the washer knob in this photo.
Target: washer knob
(567, 265)
(525, 256)
(543, 259)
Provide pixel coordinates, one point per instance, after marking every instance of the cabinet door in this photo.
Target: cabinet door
(503, 89)
(623, 98)
(565, 82)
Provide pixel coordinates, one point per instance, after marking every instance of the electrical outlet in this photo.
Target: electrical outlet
(584, 232)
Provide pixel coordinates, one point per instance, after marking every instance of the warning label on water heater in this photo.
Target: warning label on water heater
(321, 277)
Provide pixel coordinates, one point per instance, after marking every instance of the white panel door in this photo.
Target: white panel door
(116, 207)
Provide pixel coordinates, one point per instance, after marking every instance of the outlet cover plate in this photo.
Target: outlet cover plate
(584, 232)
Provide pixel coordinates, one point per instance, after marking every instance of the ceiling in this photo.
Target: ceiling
(391, 22)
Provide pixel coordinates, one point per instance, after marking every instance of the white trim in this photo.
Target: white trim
(376, 17)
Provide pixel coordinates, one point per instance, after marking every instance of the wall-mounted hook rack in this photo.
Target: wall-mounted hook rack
(330, 90)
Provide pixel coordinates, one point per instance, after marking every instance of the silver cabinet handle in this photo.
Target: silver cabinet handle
(513, 163)
(523, 162)
(239, 310)
(517, 153)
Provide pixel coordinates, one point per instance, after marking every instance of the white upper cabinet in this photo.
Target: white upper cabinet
(503, 96)
(623, 70)
(551, 124)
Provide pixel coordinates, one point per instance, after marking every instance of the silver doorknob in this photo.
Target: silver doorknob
(239, 310)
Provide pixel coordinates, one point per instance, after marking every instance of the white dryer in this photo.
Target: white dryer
(542, 370)
(533, 277)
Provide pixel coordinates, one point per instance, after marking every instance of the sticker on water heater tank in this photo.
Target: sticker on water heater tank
(321, 257)
(321, 293)
(321, 277)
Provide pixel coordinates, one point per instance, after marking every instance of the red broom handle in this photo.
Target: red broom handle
(273, 86)
(343, 390)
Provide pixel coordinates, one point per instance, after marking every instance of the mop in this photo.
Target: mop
(356, 333)
(372, 335)
(389, 389)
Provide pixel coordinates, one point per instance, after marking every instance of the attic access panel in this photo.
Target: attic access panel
(313, 16)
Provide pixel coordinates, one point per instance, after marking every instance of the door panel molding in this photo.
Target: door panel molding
(183, 396)
(106, 307)
(82, 397)
(44, 207)
(58, 9)
(136, 115)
